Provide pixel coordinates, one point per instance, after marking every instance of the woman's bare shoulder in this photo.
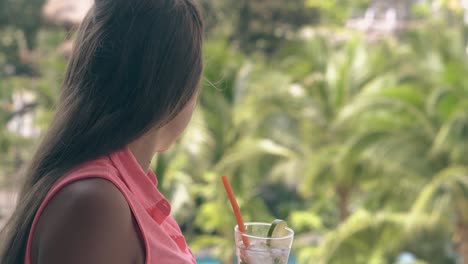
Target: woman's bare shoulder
(87, 221)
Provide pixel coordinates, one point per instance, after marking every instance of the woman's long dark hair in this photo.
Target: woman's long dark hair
(135, 65)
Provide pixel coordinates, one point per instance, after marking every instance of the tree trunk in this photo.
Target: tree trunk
(243, 25)
(343, 201)
(461, 235)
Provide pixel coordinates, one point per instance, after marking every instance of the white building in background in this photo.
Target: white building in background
(23, 121)
(389, 16)
(384, 16)
(464, 5)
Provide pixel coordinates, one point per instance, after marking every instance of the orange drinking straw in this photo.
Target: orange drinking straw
(236, 209)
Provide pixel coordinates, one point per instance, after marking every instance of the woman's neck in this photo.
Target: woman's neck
(143, 151)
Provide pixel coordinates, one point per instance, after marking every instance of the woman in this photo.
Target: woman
(129, 91)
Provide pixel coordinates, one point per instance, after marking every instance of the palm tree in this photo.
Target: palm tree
(448, 106)
(431, 129)
(332, 167)
(329, 151)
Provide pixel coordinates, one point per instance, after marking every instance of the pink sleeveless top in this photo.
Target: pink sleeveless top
(160, 234)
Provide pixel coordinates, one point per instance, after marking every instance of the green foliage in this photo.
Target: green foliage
(49, 67)
(30, 13)
(337, 11)
(262, 25)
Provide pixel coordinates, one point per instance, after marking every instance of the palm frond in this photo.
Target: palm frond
(248, 150)
(451, 178)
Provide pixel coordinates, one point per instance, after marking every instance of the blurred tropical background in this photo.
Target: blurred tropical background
(346, 118)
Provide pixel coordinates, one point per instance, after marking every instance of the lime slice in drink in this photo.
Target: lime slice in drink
(277, 230)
